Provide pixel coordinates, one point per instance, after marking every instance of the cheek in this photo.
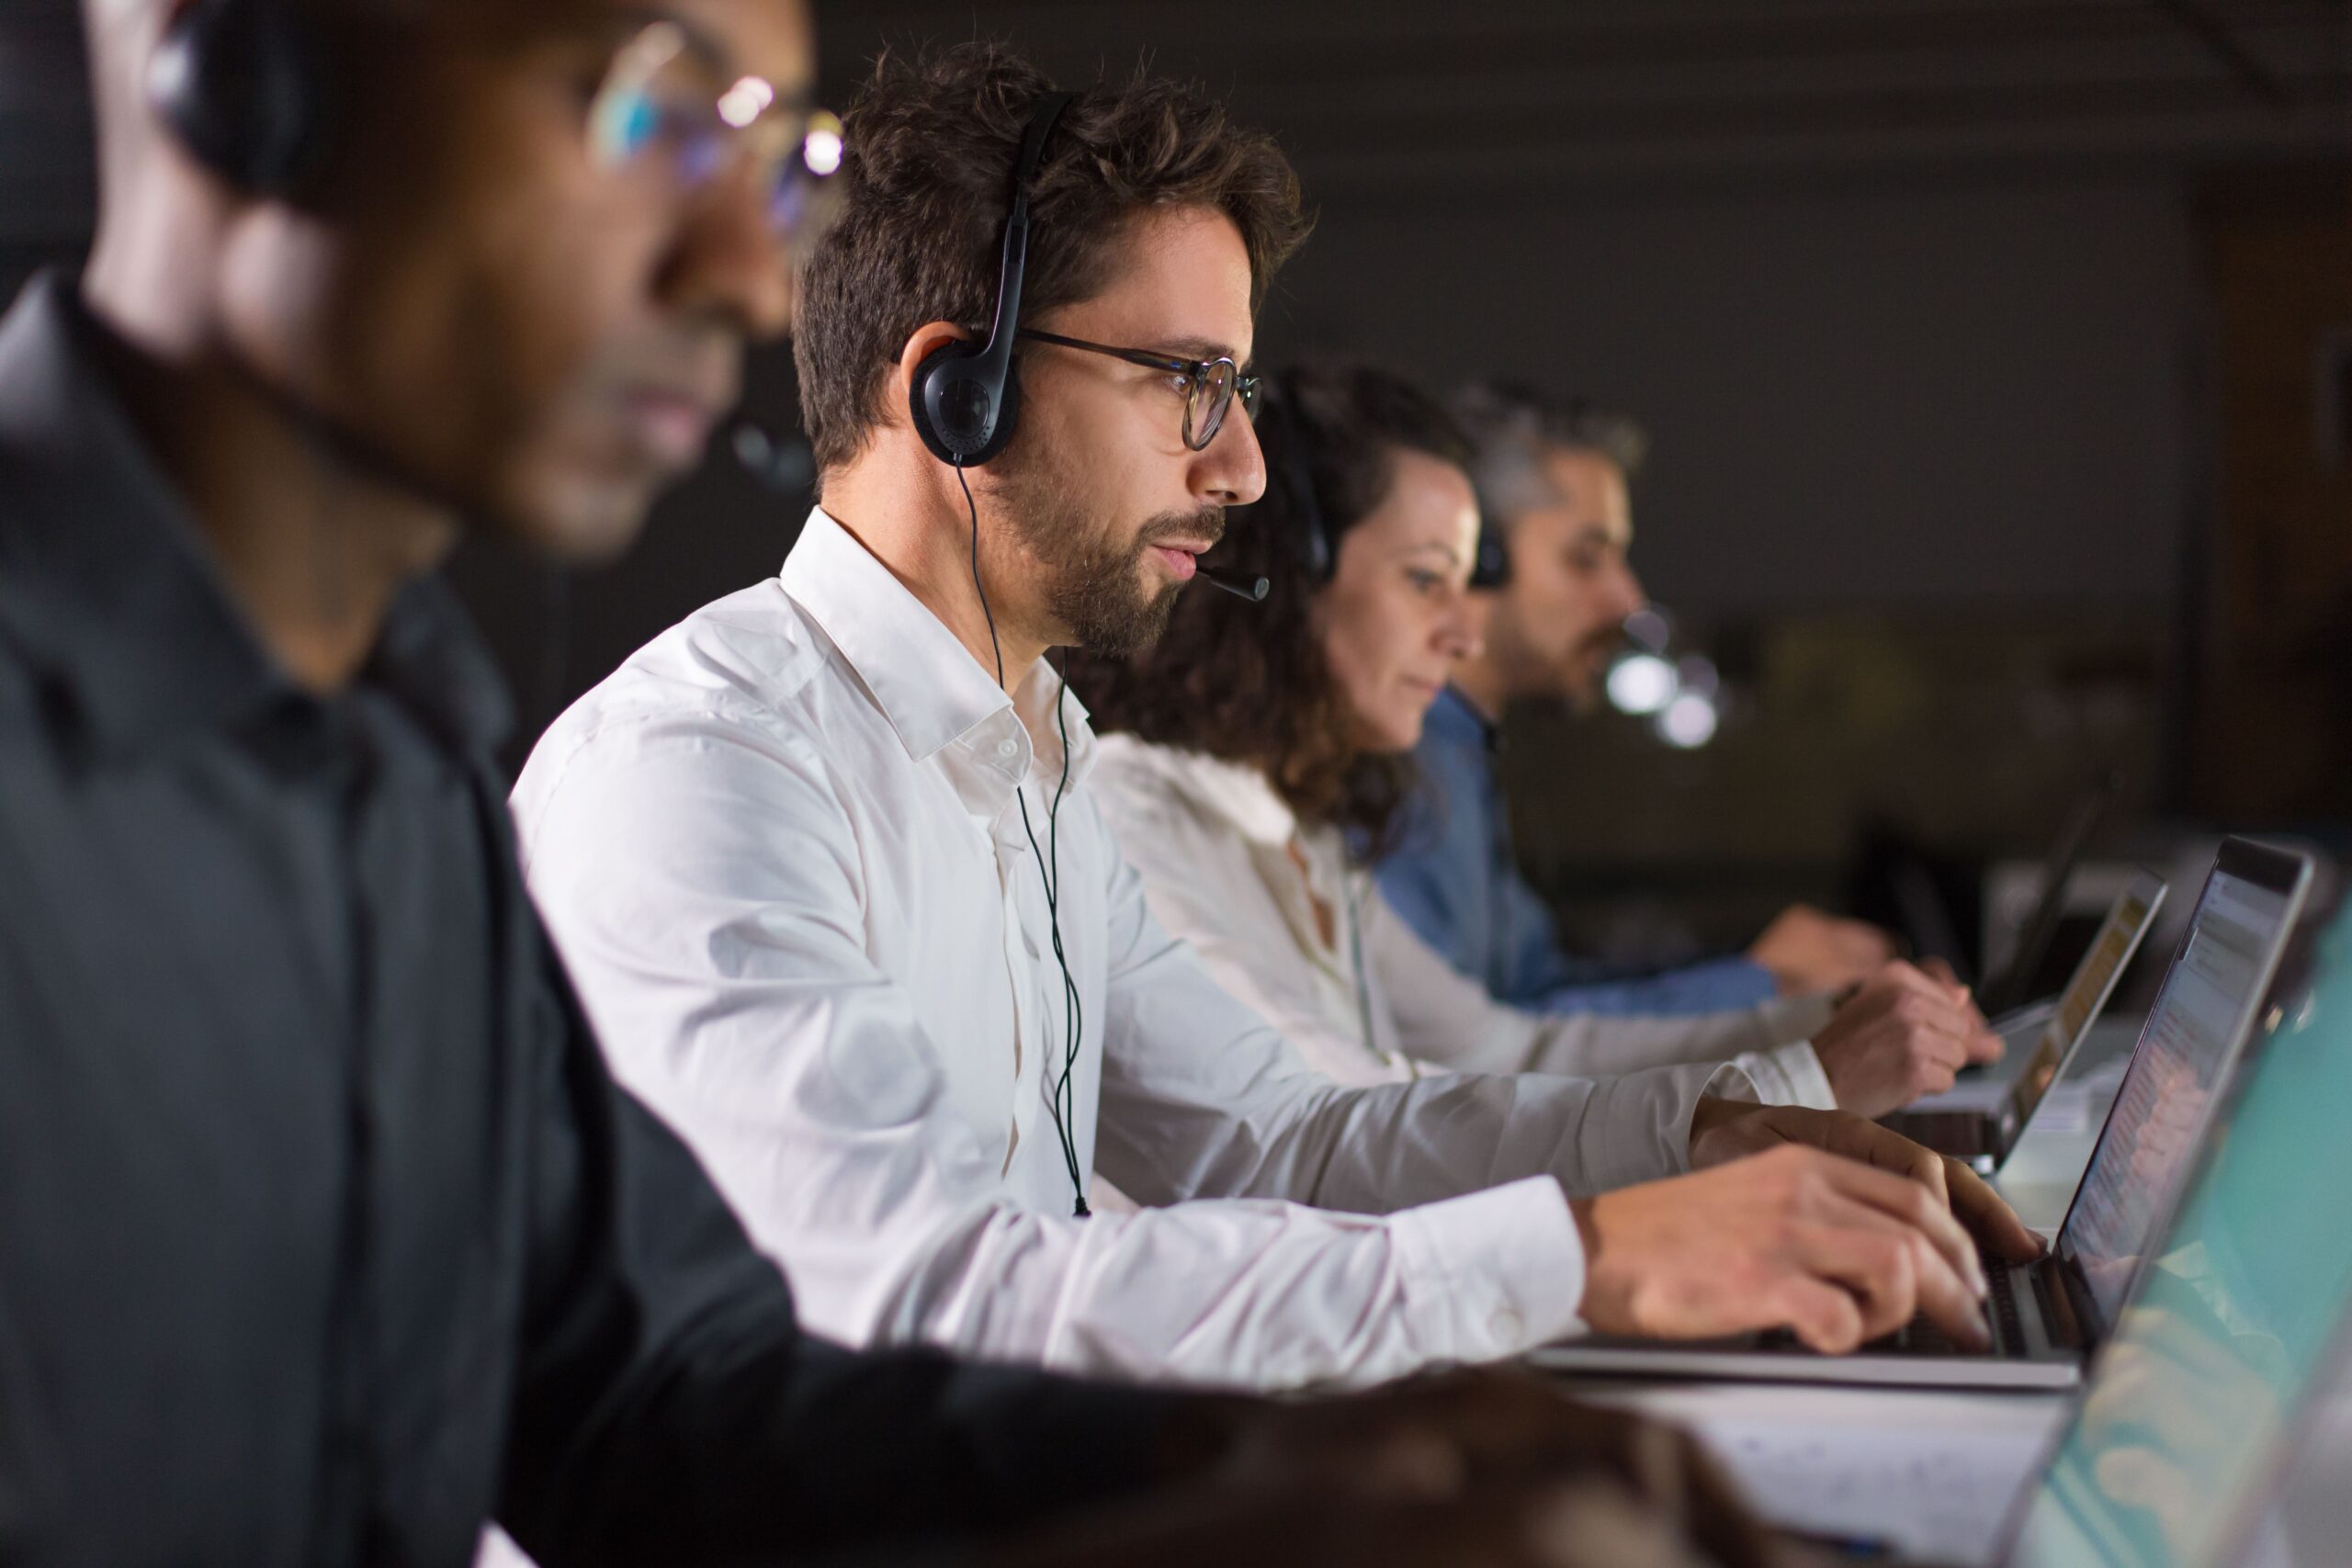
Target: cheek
(1077, 447)
(1383, 637)
(1559, 609)
(1347, 646)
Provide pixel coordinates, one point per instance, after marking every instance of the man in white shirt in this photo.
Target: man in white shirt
(823, 864)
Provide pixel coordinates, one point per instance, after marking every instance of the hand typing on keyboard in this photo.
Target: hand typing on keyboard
(1821, 1222)
(1829, 1248)
(1725, 1130)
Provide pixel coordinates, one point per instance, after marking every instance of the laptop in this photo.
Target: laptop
(2050, 1316)
(2008, 991)
(1983, 1136)
(2236, 1332)
(2222, 1373)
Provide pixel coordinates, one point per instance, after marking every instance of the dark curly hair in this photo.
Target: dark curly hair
(926, 180)
(1249, 683)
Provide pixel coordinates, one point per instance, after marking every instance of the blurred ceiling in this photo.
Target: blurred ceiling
(1502, 97)
(1505, 96)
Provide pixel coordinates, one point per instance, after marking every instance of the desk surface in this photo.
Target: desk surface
(1932, 1472)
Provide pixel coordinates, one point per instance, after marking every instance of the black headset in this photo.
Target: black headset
(963, 399)
(1284, 438)
(1490, 557)
(964, 403)
(243, 84)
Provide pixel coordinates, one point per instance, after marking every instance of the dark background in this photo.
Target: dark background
(1997, 356)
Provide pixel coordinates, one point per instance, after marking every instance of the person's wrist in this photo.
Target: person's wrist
(1595, 1306)
(1707, 1116)
(1833, 1072)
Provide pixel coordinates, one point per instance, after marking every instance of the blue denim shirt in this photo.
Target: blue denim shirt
(1455, 880)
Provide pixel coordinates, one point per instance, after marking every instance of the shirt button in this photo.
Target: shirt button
(1007, 747)
(1507, 1323)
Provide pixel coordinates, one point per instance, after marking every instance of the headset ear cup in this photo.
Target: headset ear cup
(240, 82)
(962, 415)
(1007, 418)
(922, 391)
(1490, 561)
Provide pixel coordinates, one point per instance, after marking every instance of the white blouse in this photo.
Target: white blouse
(1228, 867)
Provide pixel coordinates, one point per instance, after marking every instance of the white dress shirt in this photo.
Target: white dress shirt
(1286, 924)
(782, 851)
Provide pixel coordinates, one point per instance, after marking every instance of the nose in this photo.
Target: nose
(728, 260)
(1231, 470)
(1631, 596)
(1460, 627)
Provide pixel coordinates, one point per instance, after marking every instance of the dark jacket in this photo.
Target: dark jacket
(324, 1233)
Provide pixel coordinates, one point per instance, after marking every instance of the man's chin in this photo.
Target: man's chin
(1581, 688)
(1584, 676)
(579, 523)
(1132, 628)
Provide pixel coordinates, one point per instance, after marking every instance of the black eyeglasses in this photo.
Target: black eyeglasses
(1214, 384)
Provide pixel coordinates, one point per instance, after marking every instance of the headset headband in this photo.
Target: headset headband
(963, 399)
(995, 357)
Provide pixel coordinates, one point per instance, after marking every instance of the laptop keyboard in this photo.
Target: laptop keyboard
(1920, 1337)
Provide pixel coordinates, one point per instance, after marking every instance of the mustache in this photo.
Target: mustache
(1609, 639)
(1207, 525)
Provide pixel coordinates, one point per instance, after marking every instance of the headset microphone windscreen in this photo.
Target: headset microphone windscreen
(786, 463)
(1241, 584)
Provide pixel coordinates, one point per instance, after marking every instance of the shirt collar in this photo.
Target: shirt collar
(1455, 720)
(1235, 792)
(109, 589)
(934, 694)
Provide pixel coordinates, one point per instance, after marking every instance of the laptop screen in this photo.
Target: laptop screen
(2176, 1070)
(2118, 939)
(2203, 1381)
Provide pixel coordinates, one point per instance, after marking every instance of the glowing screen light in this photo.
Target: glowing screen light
(745, 101)
(1648, 627)
(823, 150)
(1641, 684)
(1689, 721)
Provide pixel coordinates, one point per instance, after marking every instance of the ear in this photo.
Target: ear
(926, 339)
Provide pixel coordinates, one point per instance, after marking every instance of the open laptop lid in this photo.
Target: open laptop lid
(2085, 998)
(2202, 1016)
(2238, 1325)
(2001, 992)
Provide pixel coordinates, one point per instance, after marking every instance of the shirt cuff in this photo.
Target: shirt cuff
(1491, 1274)
(1786, 1075)
(1797, 1018)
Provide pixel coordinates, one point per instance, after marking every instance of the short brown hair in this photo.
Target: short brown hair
(1248, 683)
(927, 180)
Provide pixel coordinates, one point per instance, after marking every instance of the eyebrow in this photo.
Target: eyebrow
(706, 49)
(1200, 348)
(1451, 553)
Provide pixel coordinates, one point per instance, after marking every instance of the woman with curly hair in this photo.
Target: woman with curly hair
(1246, 751)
